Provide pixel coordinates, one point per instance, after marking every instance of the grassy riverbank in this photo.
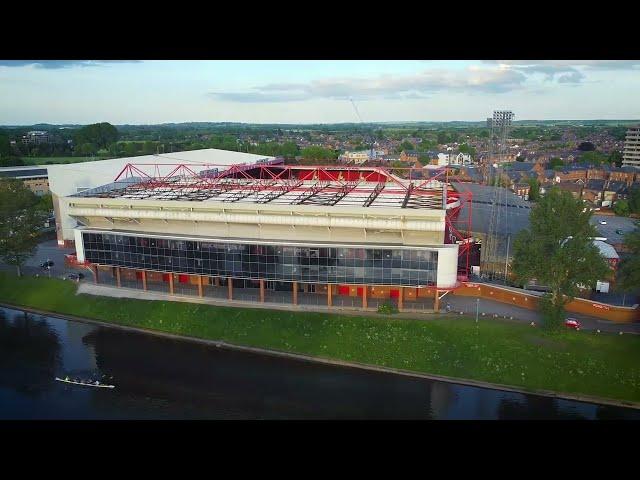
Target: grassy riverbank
(522, 356)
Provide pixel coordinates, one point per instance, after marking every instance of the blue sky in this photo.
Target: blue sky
(145, 92)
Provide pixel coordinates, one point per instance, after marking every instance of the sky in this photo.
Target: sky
(268, 91)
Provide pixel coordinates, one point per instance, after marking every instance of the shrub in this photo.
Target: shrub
(388, 308)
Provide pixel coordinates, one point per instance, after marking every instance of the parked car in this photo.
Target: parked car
(47, 264)
(619, 232)
(75, 276)
(572, 323)
(602, 222)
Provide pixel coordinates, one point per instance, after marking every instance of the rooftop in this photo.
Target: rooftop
(269, 183)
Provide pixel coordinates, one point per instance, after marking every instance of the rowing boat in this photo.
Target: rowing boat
(85, 383)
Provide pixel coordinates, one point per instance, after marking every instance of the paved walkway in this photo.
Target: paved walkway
(467, 305)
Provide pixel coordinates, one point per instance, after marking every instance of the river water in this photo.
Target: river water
(159, 378)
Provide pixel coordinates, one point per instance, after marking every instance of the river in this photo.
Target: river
(160, 378)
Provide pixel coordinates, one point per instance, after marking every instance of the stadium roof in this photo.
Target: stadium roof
(269, 183)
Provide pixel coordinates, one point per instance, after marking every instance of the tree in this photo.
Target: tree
(634, 200)
(558, 251)
(534, 190)
(615, 158)
(629, 271)
(465, 148)
(593, 158)
(87, 149)
(100, 134)
(406, 145)
(621, 207)
(21, 217)
(556, 163)
(586, 146)
(317, 153)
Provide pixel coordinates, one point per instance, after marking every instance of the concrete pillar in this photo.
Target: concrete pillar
(230, 288)
(401, 299)
(118, 284)
(364, 296)
(262, 291)
(295, 293)
(200, 286)
(436, 303)
(171, 283)
(329, 296)
(216, 281)
(144, 279)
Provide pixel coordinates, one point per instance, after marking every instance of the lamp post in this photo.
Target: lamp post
(477, 308)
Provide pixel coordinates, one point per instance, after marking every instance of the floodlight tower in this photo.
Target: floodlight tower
(500, 126)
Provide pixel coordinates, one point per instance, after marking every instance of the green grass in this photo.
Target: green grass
(599, 365)
(44, 160)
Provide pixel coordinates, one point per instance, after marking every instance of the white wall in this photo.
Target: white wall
(65, 180)
(447, 266)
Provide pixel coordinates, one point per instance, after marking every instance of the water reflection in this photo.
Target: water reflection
(168, 379)
(29, 352)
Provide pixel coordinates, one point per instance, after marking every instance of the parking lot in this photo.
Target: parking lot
(608, 231)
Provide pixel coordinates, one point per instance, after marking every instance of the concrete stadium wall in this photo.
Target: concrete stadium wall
(583, 306)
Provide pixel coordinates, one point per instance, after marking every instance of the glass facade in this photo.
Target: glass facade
(309, 264)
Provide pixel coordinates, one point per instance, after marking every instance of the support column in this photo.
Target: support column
(144, 279)
(230, 288)
(216, 281)
(295, 293)
(262, 291)
(118, 284)
(436, 303)
(364, 296)
(329, 296)
(171, 283)
(95, 273)
(401, 299)
(200, 286)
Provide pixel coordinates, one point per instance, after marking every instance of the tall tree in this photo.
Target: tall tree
(629, 272)
(100, 134)
(21, 217)
(558, 251)
(534, 189)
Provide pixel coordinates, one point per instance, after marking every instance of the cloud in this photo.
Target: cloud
(58, 64)
(419, 85)
(565, 71)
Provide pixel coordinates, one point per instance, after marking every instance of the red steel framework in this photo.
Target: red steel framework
(274, 180)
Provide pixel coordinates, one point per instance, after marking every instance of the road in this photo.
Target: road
(504, 310)
(47, 250)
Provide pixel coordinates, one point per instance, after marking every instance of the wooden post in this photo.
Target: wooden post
(171, 283)
(118, 277)
(295, 293)
(199, 285)
(364, 296)
(401, 299)
(436, 303)
(329, 296)
(144, 279)
(216, 281)
(95, 272)
(230, 288)
(262, 291)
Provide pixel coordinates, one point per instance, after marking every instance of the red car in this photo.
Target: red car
(572, 323)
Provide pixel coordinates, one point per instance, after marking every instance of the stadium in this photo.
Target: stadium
(228, 225)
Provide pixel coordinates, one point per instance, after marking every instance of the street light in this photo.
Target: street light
(477, 308)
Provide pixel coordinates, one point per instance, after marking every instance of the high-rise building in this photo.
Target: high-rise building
(631, 154)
